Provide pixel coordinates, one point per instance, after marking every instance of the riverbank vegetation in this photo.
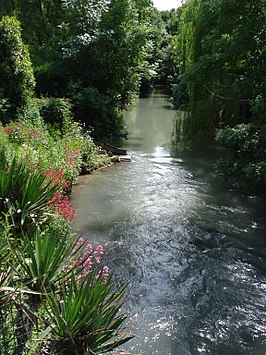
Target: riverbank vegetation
(93, 53)
(219, 79)
(97, 55)
(55, 294)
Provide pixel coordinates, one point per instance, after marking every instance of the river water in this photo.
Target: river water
(192, 253)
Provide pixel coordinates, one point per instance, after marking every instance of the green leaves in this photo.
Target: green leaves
(17, 79)
(246, 161)
(43, 259)
(25, 195)
(222, 59)
(85, 314)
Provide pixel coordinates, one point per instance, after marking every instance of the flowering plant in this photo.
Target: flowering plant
(83, 316)
(63, 207)
(89, 260)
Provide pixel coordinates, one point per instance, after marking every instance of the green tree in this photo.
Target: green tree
(94, 52)
(38, 18)
(221, 51)
(222, 61)
(97, 61)
(17, 79)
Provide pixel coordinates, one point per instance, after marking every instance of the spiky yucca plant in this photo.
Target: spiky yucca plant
(83, 317)
(23, 194)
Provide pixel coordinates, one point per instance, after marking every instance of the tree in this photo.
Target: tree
(39, 18)
(97, 61)
(222, 58)
(17, 79)
(221, 49)
(93, 52)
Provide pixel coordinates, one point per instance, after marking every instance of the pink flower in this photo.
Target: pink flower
(98, 251)
(89, 249)
(105, 272)
(80, 241)
(88, 264)
(97, 254)
(97, 259)
(56, 176)
(88, 260)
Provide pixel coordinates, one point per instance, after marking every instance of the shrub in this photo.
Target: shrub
(83, 315)
(54, 110)
(50, 287)
(245, 165)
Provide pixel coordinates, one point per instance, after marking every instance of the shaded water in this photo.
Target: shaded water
(192, 253)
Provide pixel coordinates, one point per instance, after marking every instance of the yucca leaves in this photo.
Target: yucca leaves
(85, 313)
(43, 259)
(23, 194)
(82, 307)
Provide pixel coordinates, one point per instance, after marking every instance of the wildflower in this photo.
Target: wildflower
(105, 272)
(88, 264)
(99, 250)
(89, 249)
(63, 206)
(57, 176)
(8, 130)
(67, 185)
(34, 134)
(97, 254)
(80, 241)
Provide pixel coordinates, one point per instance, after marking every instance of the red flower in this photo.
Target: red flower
(63, 206)
(57, 176)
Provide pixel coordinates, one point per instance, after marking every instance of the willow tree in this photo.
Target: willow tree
(221, 48)
(221, 58)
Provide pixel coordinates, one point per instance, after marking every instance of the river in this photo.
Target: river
(192, 252)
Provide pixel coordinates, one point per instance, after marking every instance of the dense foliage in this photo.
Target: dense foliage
(88, 59)
(17, 80)
(55, 295)
(221, 59)
(66, 61)
(95, 53)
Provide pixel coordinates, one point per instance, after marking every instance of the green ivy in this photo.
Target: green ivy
(17, 79)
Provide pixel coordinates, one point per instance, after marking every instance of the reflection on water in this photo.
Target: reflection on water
(192, 253)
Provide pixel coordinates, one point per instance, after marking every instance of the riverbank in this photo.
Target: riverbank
(56, 294)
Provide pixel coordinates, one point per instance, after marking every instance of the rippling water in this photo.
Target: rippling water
(193, 254)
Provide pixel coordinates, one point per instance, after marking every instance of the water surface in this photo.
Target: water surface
(192, 252)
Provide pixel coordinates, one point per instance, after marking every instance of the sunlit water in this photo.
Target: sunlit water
(191, 252)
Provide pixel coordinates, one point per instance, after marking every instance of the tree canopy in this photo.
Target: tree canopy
(221, 57)
(92, 52)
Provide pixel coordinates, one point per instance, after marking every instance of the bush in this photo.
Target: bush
(54, 110)
(98, 112)
(245, 165)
